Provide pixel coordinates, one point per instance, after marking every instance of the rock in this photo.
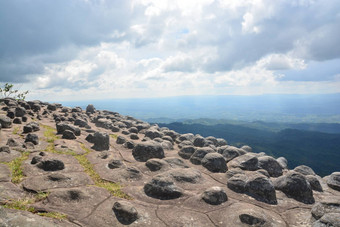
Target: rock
(125, 212)
(331, 219)
(188, 175)
(129, 145)
(152, 134)
(27, 129)
(115, 164)
(199, 154)
(187, 136)
(296, 186)
(81, 123)
(283, 162)
(176, 162)
(120, 140)
(245, 162)
(263, 172)
(5, 122)
(10, 114)
(134, 136)
(19, 111)
(333, 181)
(12, 143)
(52, 107)
(133, 130)
(168, 138)
(261, 188)
(229, 152)
(101, 141)
(61, 127)
(187, 151)
(237, 183)
(329, 204)
(67, 134)
(199, 142)
(247, 148)
(114, 129)
(36, 159)
(314, 183)
(221, 142)
(51, 165)
(214, 196)
(90, 109)
(5, 149)
(271, 165)
(17, 121)
(33, 138)
(163, 188)
(305, 170)
(90, 138)
(167, 145)
(147, 150)
(156, 164)
(214, 162)
(251, 220)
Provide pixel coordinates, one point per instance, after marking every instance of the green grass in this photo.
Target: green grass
(114, 136)
(16, 130)
(15, 167)
(113, 188)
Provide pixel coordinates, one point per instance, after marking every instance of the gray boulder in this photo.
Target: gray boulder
(187, 151)
(261, 188)
(33, 138)
(214, 162)
(329, 204)
(5, 121)
(162, 188)
(214, 196)
(153, 133)
(333, 181)
(314, 183)
(296, 186)
(283, 162)
(156, 164)
(305, 170)
(67, 134)
(125, 212)
(199, 141)
(90, 109)
(238, 183)
(101, 141)
(230, 152)
(147, 150)
(271, 165)
(199, 154)
(245, 162)
(19, 111)
(61, 127)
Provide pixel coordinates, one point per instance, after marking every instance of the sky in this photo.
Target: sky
(105, 49)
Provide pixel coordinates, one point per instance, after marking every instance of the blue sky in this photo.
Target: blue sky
(96, 49)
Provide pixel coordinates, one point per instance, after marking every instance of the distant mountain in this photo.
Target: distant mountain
(319, 150)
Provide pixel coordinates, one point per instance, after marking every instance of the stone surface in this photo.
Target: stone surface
(333, 181)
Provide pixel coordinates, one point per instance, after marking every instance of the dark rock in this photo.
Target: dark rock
(199, 154)
(214, 196)
(5, 122)
(17, 121)
(90, 109)
(247, 148)
(252, 220)
(134, 136)
(115, 164)
(24, 119)
(261, 188)
(229, 152)
(147, 150)
(167, 145)
(333, 181)
(125, 132)
(330, 219)
(314, 183)
(114, 129)
(187, 151)
(185, 143)
(214, 162)
(52, 107)
(133, 130)
(20, 111)
(329, 204)
(90, 138)
(296, 186)
(212, 139)
(36, 159)
(163, 188)
(221, 142)
(101, 141)
(51, 165)
(12, 143)
(61, 127)
(237, 183)
(271, 165)
(125, 212)
(199, 142)
(33, 138)
(120, 140)
(81, 123)
(176, 162)
(187, 136)
(305, 170)
(152, 134)
(245, 162)
(155, 164)
(5, 149)
(263, 172)
(10, 114)
(67, 134)
(129, 145)
(187, 175)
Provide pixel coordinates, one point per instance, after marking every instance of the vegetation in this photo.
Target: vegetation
(7, 90)
(15, 167)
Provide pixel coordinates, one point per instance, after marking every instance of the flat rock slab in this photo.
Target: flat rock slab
(5, 173)
(9, 190)
(298, 217)
(67, 145)
(56, 180)
(230, 216)
(177, 217)
(8, 157)
(77, 203)
(105, 217)
(71, 164)
(20, 218)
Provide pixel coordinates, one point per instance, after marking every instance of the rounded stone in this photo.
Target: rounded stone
(214, 196)
(215, 163)
(51, 165)
(125, 212)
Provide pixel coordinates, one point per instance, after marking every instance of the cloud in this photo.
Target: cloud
(156, 48)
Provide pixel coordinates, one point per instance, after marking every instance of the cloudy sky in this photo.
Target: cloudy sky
(95, 49)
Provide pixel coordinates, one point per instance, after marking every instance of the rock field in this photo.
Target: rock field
(63, 166)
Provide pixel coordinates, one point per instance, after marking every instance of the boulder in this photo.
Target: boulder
(214, 196)
(67, 134)
(199, 141)
(305, 170)
(33, 138)
(214, 162)
(296, 186)
(19, 111)
(125, 212)
(245, 162)
(221, 142)
(238, 183)
(156, 164)
(187, 151)
(252, 220)
(120, 140)
(162, 188)
(147, 150)
(17, 121)
(229, 152)
(329, 204)
(5, 121)
(187, 175)
(61, 127)
(271, 165)
(333, 181)
(283, 162)
(52, 107)
(247, 148)
(314, 183)
(261, 188)
(331, 219)
(153, 133)
(12, 142)
(134, 136)
(90, 109)
(51, 165)
(5, 149)
(101, 141)
(199, 154)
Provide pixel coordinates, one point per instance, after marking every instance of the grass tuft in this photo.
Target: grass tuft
(16, 130)
(16, 169)
(114, 136)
